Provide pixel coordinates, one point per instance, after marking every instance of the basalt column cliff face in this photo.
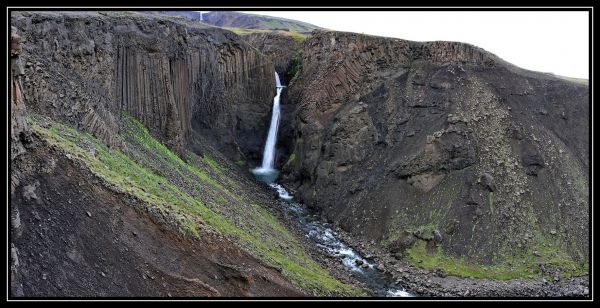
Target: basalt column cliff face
(125, 131)
(441, 142)
(175, 78)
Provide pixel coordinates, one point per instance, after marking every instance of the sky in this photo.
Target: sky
(553, 42)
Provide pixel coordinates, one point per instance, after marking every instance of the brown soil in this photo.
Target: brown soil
(75, 237)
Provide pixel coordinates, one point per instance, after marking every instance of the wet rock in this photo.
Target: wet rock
(365, 265)
(358, 262)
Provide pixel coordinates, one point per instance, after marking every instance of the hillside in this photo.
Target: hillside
(402, 168)
(119, 184)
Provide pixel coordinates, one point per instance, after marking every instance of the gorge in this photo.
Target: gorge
(156, 155)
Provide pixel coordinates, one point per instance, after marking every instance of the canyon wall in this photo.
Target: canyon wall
(173, 75)
(444, 142)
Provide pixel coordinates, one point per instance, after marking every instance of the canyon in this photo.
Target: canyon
(134, 136)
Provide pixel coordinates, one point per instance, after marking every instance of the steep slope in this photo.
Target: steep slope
(439, 151)
(100, 206)
(80, 238)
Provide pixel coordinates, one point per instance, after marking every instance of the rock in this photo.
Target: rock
(553, 232)
(441, 273)
(437, 236)
(586, 291)
(556, 277)
(29, 191)
(536, 253)
(365, 265)
(410, 133)
(103, 274)
(358, 262)
(89, 214)
(488, 182)
(381, 267)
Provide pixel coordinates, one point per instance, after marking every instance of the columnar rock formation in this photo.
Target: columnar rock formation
(396, 138)
(87, 68)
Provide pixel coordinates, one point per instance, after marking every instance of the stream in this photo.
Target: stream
(318, 231)
(325, 238)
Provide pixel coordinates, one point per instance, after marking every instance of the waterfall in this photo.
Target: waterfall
(268, 164)
(269, 153)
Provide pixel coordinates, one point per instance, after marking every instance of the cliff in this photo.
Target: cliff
(441, 142)
(124, 128)
(86, 68)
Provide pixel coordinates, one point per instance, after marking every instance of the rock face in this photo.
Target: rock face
(176, 77)
(393, 135)
(281, 49)
(19, 132)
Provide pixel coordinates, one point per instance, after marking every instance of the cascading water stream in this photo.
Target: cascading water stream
(269, 153)
(267, 171)
(318, 231)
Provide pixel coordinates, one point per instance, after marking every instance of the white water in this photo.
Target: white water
(328, 240)
(319, 232)
(269, 153)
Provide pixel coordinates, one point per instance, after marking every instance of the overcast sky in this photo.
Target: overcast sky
(555, 42)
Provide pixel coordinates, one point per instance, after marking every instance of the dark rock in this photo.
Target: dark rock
(488, 182)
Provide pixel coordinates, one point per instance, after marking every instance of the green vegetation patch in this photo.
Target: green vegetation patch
(300, 37)
(514, 267)
(260, 232)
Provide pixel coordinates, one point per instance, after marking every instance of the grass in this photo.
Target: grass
(300, 37)
(513, 267)
(258, 232)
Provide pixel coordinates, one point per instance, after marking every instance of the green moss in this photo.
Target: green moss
(259, 232)
(296, 70)
(291, 160)
(513, 267)
(212, 163)
(300, 37)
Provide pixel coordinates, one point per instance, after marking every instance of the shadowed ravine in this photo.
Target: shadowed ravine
(317, 231)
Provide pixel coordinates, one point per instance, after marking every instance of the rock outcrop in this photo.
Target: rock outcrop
(174, 75)
(280, 48)
(393, 135)
(19, 132)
